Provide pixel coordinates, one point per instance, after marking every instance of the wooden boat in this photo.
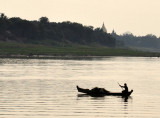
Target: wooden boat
(99, 92)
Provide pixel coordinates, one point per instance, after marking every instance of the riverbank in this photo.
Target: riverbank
(17, 50)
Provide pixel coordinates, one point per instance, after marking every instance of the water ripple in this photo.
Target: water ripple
(28, 91)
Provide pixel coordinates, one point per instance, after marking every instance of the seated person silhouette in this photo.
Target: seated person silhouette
(125, 88)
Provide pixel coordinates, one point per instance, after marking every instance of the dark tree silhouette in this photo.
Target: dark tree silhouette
(43, 20)
(3, 16)
(51, 33)
(147, 42)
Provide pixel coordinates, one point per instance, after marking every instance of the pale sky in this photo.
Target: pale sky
(140, 17)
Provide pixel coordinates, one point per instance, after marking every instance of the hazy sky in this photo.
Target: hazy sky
(140, 17)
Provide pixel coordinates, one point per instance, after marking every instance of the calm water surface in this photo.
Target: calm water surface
(37, 88)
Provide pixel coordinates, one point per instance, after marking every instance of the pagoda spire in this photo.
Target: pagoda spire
(104, 28)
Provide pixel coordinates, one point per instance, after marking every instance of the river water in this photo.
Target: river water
(46, 88)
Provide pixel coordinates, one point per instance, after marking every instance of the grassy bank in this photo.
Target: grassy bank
(29, 50)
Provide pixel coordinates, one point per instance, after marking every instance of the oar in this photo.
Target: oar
(120, 85)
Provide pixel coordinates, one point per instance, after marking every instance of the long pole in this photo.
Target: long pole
(119, 85)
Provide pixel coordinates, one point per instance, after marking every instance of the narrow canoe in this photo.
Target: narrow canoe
(103, 93)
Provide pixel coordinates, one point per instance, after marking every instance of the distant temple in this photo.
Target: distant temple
(104, 28)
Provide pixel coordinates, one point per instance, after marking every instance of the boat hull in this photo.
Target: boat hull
(104, 93)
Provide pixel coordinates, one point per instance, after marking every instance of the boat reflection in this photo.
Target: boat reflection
(124, 99)
(83, 95)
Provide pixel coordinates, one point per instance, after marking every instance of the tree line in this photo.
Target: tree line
(51, 33)
(127, 39)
